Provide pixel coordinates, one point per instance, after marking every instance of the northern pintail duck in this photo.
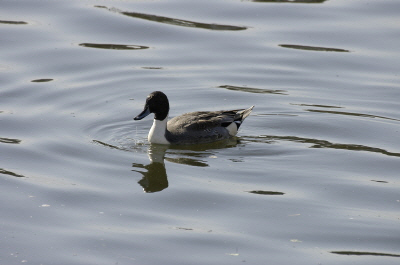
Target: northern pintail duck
(190, 128)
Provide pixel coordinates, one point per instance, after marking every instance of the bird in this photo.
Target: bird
(190, 128)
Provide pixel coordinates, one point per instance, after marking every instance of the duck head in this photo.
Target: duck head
(157, 103)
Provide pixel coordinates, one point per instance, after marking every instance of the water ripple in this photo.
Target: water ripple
(323, 144)
(42, 80)
(13, 22)
(264, 192)
(317, 105)
(10, 173)
(175, 21)
(254, 90)
(9, 140)
(312, 48)
(352, 114)
(361, 253)
(113, 46)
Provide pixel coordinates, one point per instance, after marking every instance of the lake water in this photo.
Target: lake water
(312, 178)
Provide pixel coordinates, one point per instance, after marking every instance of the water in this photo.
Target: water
(312, 178)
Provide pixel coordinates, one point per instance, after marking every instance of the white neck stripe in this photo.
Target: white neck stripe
(157, 132)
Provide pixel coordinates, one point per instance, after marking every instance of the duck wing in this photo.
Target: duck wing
(205, 126)
(208, 120)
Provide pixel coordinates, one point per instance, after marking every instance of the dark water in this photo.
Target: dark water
(312, 178)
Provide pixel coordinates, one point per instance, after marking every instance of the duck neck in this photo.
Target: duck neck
(158, 131)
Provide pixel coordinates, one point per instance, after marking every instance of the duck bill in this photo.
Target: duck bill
(143, 114)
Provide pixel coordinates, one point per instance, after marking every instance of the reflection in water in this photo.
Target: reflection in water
(155, 178)
(320, 144)
(187, 161)
(13, 22)
(10, 173)
(174, 21)
(312, 48)
(361, 253)
(316, 105)
(351, 114)
(152, 67)
(197, 155)
(9, 140)
(109, 145)
(113, 46)
(42, 80)
(155, 175)
(265, 192)
(254, 90)
(380, 181)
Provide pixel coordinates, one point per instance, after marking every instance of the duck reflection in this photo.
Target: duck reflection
(155, 177)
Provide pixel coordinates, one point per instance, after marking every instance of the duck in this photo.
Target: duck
(190, 128)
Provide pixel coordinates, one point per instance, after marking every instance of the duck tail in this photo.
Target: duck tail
(245, 113)
(241, 115)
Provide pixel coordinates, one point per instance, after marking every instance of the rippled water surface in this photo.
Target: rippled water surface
(312, 178)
